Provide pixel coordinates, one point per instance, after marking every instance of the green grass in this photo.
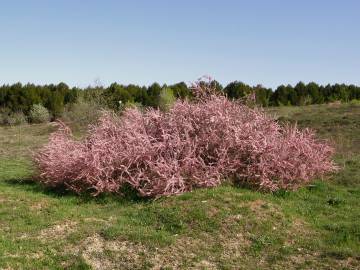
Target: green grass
(316, 227)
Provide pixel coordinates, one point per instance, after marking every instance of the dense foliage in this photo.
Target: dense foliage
(18, 98)
(191, 145)
(21, 98)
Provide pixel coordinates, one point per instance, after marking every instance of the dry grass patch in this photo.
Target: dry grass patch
(185, 253)
(102, 254)
(57, 231)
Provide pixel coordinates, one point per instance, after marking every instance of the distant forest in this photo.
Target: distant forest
(21, 98)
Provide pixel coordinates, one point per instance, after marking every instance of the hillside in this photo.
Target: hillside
(227, 227)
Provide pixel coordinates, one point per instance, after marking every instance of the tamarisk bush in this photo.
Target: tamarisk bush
(192, 145)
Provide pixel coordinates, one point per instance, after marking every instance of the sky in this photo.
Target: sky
(268, 42)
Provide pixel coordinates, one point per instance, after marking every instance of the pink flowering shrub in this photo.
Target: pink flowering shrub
(192, 145)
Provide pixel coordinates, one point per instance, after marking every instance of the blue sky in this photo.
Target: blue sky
(270, 42)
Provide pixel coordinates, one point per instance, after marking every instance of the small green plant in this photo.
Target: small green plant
(355, 102)
(166, 99)
(39, 114)
(82, 113)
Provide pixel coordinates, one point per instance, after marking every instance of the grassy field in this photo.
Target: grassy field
(316, 227)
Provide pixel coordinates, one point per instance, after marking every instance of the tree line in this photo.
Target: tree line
(21, 98)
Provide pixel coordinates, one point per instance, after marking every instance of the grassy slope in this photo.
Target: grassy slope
(227, 227)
